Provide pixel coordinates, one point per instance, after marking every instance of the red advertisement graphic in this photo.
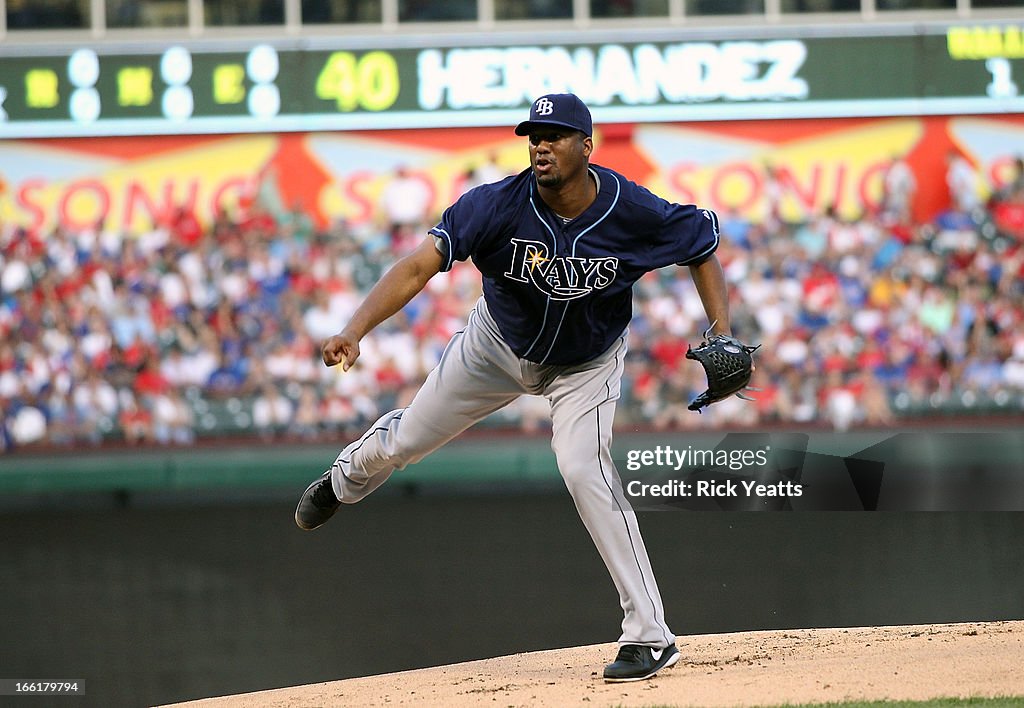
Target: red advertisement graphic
(799, 167)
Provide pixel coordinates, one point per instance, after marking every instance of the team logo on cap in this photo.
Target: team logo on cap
(544, 107)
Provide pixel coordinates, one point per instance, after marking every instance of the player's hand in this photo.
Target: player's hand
(342, 348)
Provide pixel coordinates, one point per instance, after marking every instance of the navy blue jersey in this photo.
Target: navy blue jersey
(561, 293)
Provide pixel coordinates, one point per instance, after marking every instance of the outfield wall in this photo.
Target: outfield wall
(934, 468)
(160, 575)
(155, 603)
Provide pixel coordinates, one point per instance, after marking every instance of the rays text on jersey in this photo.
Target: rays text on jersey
(559, 277)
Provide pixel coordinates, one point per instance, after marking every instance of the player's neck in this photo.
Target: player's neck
(570, 199)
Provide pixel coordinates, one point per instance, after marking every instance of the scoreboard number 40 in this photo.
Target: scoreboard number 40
(369, 82)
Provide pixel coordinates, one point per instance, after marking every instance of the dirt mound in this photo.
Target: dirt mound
(749, 668)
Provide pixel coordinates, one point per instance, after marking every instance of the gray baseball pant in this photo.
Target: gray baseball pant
(478, 374)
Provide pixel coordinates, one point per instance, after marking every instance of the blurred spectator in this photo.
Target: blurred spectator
(1013, 367)
(173, 420)
(228, 378)
(186, 231)
(772, 216)
(676, 392)
(96, 407)
(109, 336)
(328, 314)
(136, 423)
(963, 183)
(1013, 183)
(1007, 205)
(306, 422)
(406, 200)
(899, 187)
(485, 173)
(346, 411)
(150, 381)
(26, 423)
(838, 400)
(271, 411)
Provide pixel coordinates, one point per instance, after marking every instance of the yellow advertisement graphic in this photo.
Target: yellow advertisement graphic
(129, 194)
(360, 169)
(841, 169)
(795, 170)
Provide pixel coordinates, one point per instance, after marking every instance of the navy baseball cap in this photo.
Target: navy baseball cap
(561, 109)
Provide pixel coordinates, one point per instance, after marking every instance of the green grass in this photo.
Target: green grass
(1002, 702)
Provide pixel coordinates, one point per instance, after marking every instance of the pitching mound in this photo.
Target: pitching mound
(749, 668)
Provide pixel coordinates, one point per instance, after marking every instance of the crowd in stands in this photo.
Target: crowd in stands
(187, 331)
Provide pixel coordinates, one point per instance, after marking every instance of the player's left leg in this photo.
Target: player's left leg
(582, 409)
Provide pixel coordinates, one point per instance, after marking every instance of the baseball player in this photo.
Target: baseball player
(559, 246)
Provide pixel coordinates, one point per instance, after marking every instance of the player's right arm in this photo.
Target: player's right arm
(391, 293)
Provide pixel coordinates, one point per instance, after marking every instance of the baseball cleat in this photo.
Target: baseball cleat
(317, 504)
(636, 662)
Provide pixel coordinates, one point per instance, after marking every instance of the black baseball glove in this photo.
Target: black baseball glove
(728, 366)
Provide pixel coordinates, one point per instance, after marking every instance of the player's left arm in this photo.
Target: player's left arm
(709, 279)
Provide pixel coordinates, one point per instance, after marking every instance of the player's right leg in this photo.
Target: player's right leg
(476, 376)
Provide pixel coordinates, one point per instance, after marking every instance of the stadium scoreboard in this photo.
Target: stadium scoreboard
(140, 89)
